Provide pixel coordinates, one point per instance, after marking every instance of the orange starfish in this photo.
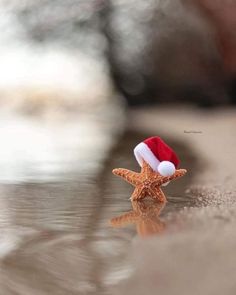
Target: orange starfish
(146, 217)
(147, 183)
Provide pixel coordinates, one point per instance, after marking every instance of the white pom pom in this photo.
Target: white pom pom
(166, 168)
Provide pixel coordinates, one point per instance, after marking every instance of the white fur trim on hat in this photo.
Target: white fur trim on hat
(143, 152)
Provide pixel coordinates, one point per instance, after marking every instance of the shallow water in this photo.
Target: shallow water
(57, 237)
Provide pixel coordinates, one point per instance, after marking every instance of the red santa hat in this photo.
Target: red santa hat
(158, 155)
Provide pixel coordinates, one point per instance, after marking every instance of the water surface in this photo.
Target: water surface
(57, 237)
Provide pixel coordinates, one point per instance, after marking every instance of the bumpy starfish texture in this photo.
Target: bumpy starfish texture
(145, 216)
(147, 183)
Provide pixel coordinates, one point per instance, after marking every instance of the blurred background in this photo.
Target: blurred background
(81, 83)
(74, 68)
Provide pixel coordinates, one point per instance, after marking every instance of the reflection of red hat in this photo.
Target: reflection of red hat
(154, 150)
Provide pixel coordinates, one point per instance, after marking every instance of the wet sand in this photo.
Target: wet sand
(196, 253)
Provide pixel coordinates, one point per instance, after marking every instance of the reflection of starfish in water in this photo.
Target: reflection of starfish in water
(146, 217)
(147, 182)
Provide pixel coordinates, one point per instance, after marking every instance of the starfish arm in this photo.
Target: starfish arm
(178, 173)
(157, 194)
(128, 175)
(146, 170)
(129, 217)
(138, 194)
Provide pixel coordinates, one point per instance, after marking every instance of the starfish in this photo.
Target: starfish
(146, 217)
(148, 182)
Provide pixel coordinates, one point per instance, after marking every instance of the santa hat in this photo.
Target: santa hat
(158, 155)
